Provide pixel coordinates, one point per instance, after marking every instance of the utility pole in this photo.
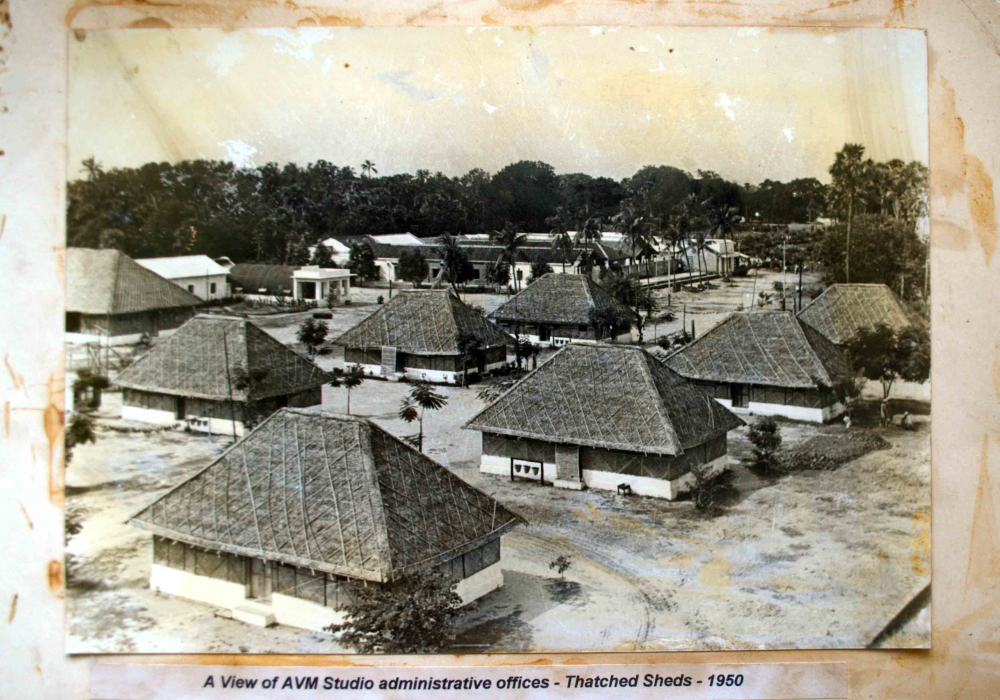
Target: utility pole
(800, 286)
(784, 247)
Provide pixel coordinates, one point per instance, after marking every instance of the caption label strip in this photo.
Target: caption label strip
(785, 681)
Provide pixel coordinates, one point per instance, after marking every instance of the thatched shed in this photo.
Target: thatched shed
(844, 309)
(766, 363)
(309, 504)
(217, 373)
(416, 335)
(603, 416)
(108, 293)
(555, 309)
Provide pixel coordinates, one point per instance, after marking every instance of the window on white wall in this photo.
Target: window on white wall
(212, 288)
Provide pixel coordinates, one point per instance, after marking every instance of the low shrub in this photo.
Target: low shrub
(712, 493)
(830, 451)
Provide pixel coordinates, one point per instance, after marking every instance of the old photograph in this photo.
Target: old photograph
(483, 340)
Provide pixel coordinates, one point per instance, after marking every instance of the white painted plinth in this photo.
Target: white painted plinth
(479, 584)
(571, 484)
(801, 413)
(304, 614)
(223, 594)
(497, 464)
(647, 486)
(149, 415)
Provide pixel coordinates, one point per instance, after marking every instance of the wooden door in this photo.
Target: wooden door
(739, 395)
(261, 583)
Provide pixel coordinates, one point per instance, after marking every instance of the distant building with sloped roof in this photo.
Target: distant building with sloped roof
(844, 309)
(416, 335)
(766, 363)
(605, 416)
(216, 374)
(108, 293)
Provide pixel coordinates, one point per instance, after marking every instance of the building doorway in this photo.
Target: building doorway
(739, 396)
(181, 412)
(261, 580)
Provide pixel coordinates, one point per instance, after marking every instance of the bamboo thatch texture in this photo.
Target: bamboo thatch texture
(331, 493)
(424, 323)
(108, 282)
(771, 348)
(611, 396)
(203, 359)
(844, 309)
(559, 299)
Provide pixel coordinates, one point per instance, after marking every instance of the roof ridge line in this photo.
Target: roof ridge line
(661, 408)
(365, 447)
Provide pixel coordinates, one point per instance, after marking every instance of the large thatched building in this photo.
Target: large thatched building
(844, 309)
(109, 294)
(416, 335)
(766, 363)
(603, 416)
(555, 310)
(216, 373)
(285, 523)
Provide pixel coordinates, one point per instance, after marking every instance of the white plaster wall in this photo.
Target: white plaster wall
(497, 464)
(149, 415)
(304, 614)
(802, 413)
(427, 375)
(201, 285)
(223, 594)
(647, 486)
(479, 584)
(215, 426)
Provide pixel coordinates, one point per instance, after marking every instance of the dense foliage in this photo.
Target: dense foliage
(411, 616)
(276, 214)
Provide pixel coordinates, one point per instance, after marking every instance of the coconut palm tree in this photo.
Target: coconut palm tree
(470, 349)
(367, 168)
(635, 229)
(510, 241)
(850, 175)
(562, 242)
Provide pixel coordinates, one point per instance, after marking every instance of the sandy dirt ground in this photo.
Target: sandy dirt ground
(813, 559)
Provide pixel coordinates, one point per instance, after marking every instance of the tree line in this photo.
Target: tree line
(274, 214)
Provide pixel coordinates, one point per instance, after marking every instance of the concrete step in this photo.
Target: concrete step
(254, 613)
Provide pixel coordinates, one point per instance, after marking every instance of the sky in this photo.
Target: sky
(750, 104)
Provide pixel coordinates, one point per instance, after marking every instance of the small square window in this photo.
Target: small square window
(212, 288)
(191, 288)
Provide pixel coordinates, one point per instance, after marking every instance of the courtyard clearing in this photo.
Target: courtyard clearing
(811, 559)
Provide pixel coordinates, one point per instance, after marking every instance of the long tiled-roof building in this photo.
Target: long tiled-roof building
(604, 416)
(286, 523)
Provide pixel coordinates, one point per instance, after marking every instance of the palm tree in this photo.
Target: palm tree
(561, 240)
(454, 261)
(588, 233)
(470, 348)
(510, 241)
(635, 229)
(421, 397)
(850, 174)
(351, 379)
(367, 168)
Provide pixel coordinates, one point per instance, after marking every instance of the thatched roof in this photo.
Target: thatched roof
(104, 282)
(424, 323)
(844, 309)
(611, 396)
(203, 359)
(331, 493)
(767, 347)
(559, 298)
(253, 277)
